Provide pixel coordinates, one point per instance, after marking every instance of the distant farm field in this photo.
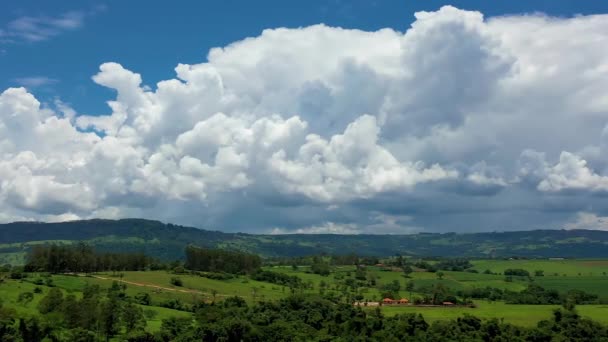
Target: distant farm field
(561, 275)
(523, 315)
(568, 267)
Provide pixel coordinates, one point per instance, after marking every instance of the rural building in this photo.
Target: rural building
(447, 303)
(403, 301)
(388, 301)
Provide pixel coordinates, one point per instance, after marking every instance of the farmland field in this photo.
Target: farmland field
(523, 315)
(567, 267)
(196, 289)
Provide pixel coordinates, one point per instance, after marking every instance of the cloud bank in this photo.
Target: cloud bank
(458, 124)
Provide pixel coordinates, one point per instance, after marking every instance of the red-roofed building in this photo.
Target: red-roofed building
(403, 301)
(388, 301)
(447, 303)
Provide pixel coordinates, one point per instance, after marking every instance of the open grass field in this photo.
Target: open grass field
(567, 267)
(195, 288)
(10, 290)
(522, 315)
(205, 288)
(562, 275)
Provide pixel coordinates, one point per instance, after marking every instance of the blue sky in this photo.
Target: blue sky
(391, 117)
(152, 39)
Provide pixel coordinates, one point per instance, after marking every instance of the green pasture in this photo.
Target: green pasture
(522, 315)
(567, 267)
(10, 290)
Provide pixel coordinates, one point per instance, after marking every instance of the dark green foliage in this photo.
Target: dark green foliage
(437, 294)
(567, 325)
(167, 241)
(214, 275)
(533, 294)
(109, 316)
(174, 327)
(580, 297)
(51, 302)
(81, 258)
(319, 266)
(407, 270)
(277, 278)
(16, 273)
(426, 266)
(217, 260)
(30, 329)
(176, 281)
(360, 273)
(174, 304)
(518, 272)
(132, 317)
(7, 321)
(25, 298)
(82, 335)
(309, 318)
(143, 298)
(455, 264)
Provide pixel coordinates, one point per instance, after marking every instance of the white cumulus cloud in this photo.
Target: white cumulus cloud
(459, 114)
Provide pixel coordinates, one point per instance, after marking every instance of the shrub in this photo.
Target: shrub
(176, 281)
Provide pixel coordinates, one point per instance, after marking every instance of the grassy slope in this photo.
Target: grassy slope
(10, 290)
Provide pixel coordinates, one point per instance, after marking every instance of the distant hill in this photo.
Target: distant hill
(167, 241)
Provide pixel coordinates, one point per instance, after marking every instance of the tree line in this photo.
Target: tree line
(533, 294)
(217, 260)
(83, 258)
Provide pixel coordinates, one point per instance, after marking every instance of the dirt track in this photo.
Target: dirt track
(153, 286)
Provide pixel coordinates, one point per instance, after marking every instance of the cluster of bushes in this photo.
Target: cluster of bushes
(437, 294)
(517, 272)
(345, 259)
(456, 264)
(319, 266)
(277, 278)
(533, 294)
(425, 266)
(214, 275)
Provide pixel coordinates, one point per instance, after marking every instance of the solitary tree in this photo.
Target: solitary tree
(439, 275)
(410, 287)
(407, 270)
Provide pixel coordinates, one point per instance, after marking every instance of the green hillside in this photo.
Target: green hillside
(167, 241)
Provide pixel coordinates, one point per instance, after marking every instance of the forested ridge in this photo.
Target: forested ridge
(167, 241)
